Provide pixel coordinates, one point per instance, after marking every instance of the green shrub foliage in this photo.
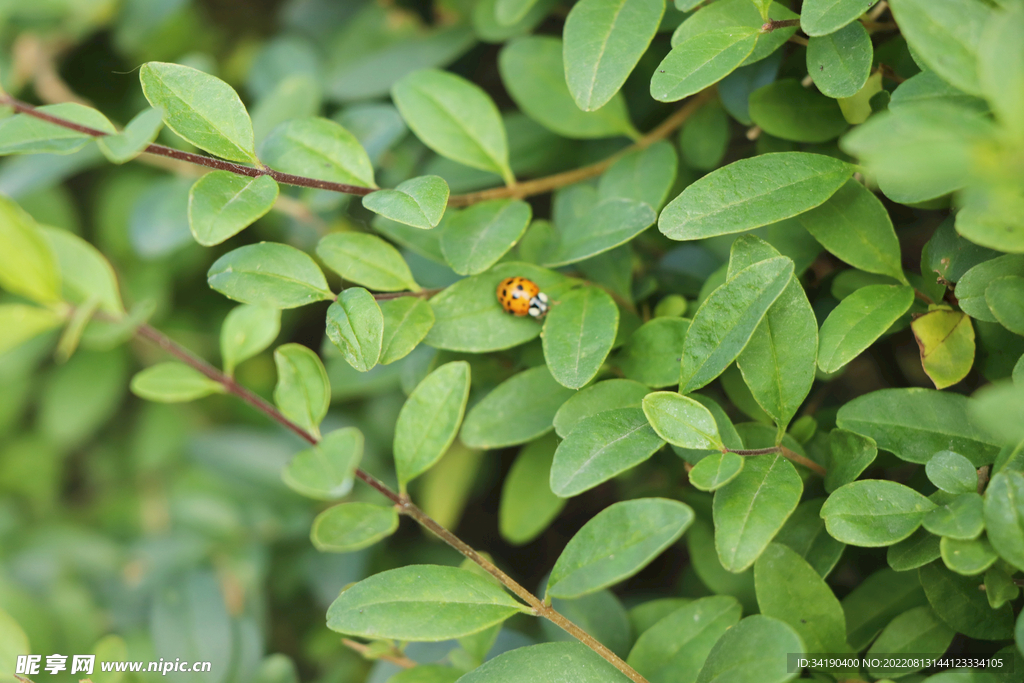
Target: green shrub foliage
(773, 403)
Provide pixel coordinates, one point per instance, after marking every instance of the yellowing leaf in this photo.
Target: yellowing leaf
(946, 340)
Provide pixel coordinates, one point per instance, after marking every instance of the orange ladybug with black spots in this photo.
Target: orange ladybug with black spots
(522, 297)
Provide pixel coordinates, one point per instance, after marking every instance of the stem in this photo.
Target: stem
(397, 659)
(537, 186)
(786, 453)
(423, 294)
(402, 502)
(773, 24)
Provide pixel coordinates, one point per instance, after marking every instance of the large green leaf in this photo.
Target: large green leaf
(916, 630)
(915, 424)
(749, 653)
(682, 421)
(222, 204)
(349, 527)
(24, 134)
(578, 334)
(651, 354)
(430, 419)
(787, 110)
(702, 60)
(753, 192)
(604, 40)
(28, 265)
(548, 661)
(21, 322)
(873, 512)
(750, 510)
(958, 602)
(201, 108)
(726, 320)
(355, 325)
(972, 285)
(616, 543)
(822, 17)
(303, 392)
(419, 202)
(318, 148)
(1004, 515)
(269, 274)
(805, 533)
(675, 647)
(407, 320)
(999, 65)
(715, 471)
(509, 12)
(840, 62)
(85, 273)
(600, 447)
(527, 504)
(532, 71)
(848, 456)
(604, 226)
(246, 331)
(474, 239)
(366, 260)
(421, 602)
(1005, 298)
(455, 118)
(858, 321)
(173, 382)
(790, 590)
(643, 175)
(597, 398)
(945, 35)
(518, 410)
(326, 471)
(134, 139)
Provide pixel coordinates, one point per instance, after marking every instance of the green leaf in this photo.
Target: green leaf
(960, 518)
(222, 204)
(25, 134)
(318, 148)
(1005, 298)
(790, 111)
(28, 265)
(201, 108)
(527, 504)
(872, 513)
(303, 392)
(952, 472)
(702, 60)
(326, 471)
(430, 419)
(726, 320)
(600, 447)
(822, 17)
(968, 557)
(533, 73)
(971, 287)
(269, 274)
(407, 320)
(428, 673)
(858, 321)
(704, 138)
(750, 510)
(490, 29)
(876, 601)
(419, 202)
(999, 587)
(805, 533)
(605, 226)
(604, 41)
(355, 325)
(648, 613)
(474, 239)
(840, 62)
(715, 471)
(916, 630)
(455, 118)
(578, 334)
(744, 14)
(617, 543)
(548, 661)
(597, 398)
(1004, 516)
(915, 424)
(651, 354)
(958, 602)
(726, 430)
(855, 227)
(790, 590)
(753, 192)
(508, 12)
(914, 551)
(366, 260)
(643, 175)
(13, 642)
(944, 35)
(247, 331)
(517, 411)
(349, 527)
(848, 456)
(682, 421)
(469, 318)
(421, 603)
(946, 341)
(748, 653)
(85, 273)
(173, 382)
(21, 322)
(599, 614)
(140, 132)
(929, 88)
(678, 644)
(1000, 75)
(778, 363)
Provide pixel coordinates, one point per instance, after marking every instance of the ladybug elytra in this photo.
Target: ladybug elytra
(522, 297)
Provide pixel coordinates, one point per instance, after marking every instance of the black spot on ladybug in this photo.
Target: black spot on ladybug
(504, 292)
(519, 287)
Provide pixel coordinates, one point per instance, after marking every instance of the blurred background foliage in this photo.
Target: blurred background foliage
(169, 524)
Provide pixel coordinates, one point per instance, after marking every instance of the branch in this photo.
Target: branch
(537, 186)
(773, 24)
(404, 505)
(784, 452)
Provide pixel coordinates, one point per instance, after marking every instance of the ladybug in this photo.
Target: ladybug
(522, 297)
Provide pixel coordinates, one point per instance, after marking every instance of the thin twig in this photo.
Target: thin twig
(402, 503)
(537, 186)
(784, 452)
(396, 659)
(773, 24)
(423, 294)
